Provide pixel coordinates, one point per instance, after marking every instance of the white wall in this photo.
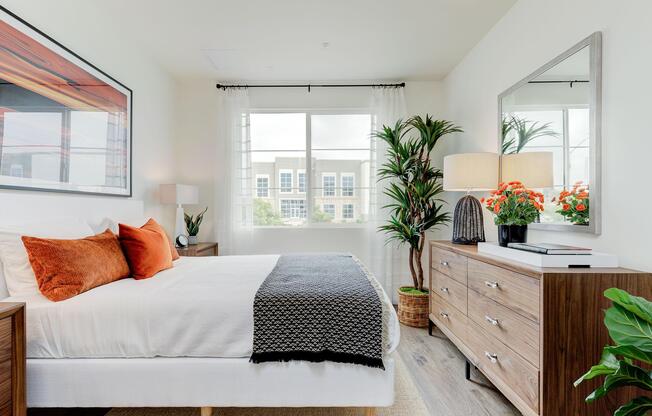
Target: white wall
(199, 154)
(529, 35)
(81, 28)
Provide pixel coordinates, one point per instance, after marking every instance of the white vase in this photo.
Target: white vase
(192, 239)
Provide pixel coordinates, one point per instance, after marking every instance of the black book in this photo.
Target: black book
(546, 248)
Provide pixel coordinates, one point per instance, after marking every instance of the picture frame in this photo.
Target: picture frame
(65, 125)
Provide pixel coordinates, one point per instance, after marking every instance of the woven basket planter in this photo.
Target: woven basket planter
(413, 309)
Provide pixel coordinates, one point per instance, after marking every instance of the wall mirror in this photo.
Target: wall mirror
(557, 109)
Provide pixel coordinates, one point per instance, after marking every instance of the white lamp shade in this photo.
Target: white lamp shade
(179, 194)
(533, 169)
(471, 171)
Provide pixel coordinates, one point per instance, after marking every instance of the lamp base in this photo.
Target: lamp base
(180, 224)
(468, 223)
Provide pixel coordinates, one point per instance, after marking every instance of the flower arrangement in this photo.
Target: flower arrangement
(513, 204)
(574, 204)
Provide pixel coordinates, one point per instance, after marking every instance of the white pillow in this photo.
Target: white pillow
(17, 270)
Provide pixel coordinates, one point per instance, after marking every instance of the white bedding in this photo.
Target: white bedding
(202, 307)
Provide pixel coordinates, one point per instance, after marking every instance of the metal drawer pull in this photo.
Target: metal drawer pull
(491, 284)
(443, 263)
(491, 320)
(444, 289)
(443, 315)
(492, 357)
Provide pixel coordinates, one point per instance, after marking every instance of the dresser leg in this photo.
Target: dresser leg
(467, 370)
(430, 326)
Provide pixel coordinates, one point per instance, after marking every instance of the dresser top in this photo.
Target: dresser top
(471, 251)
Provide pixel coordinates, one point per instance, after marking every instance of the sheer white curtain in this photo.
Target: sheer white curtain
(386, 260)
(234, 185)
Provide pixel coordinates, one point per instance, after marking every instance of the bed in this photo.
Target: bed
(182, 339)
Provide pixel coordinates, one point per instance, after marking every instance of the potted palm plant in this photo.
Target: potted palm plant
(414, 187)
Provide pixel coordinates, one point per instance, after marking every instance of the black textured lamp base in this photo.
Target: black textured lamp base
(468, 225)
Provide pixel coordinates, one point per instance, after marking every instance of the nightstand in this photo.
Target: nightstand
(12, 359)
(199, 250)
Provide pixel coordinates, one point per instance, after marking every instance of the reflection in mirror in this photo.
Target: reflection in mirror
(551, 112)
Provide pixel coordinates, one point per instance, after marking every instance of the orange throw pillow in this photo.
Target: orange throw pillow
(147, 249)
(66, 268)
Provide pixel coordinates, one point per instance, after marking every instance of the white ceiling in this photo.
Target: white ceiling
(284, 39)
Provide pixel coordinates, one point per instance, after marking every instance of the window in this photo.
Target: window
(329, 209)
(285, 180)
(347, 211)
(293, 208)
(301, 179)
(348, 183)
(262, 186)
(328, 184)
(300, 190)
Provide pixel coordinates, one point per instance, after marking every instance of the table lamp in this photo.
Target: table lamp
(470, 172)
(532, 169)
(179, 195)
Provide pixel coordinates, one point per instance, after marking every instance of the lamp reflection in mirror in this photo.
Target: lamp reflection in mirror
(533, 169)
(470, 172)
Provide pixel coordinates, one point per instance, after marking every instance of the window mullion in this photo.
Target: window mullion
(308, 169)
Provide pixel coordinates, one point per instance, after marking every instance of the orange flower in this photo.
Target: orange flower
(497, 208)
(565, 207)
(490, 201)
(521, 200)
(580, 207)
(518, 191)
(532, 197)
(482, 200)
(541, 198)
(502, 198)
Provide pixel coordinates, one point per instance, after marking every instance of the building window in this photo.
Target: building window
(348, 184)
(293, 208)
(262, 186)
(347, 211)
(301, 179)
(328, 184)
(285, 180)
(329, 209)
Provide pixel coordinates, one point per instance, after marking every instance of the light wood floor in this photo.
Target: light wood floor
(437, 369)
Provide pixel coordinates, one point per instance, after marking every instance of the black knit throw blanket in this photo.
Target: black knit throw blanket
(318, 307)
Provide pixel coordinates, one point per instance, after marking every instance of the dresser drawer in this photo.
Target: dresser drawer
(449, 263)
(512, 374)
(450, 290)
(518, 292)
(518, 333)
(5, 362)
(449, 316)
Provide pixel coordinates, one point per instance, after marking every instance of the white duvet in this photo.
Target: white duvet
(202, 307)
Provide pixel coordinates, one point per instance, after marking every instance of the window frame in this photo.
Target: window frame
(325, 175)
(280, 208)
(312, 193)
(299, 173)
(352, 217)
(347, 175)
(262, 176)
(280, 181)
(332, 204)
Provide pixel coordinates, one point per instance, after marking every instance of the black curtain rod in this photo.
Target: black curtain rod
(309, 86)
(574, 81)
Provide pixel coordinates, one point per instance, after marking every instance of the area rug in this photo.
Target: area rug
(407, 402)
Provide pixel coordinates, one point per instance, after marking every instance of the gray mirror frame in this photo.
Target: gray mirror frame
(594, 42)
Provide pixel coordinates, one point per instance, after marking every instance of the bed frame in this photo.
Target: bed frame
(181, 382)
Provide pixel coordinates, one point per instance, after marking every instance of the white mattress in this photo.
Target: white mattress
(202, 307)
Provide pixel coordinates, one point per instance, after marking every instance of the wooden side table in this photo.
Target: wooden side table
(199, 250)
(12, 359)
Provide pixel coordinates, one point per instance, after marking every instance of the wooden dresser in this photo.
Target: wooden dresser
(12, 359)
(531, 331)
(199, 250)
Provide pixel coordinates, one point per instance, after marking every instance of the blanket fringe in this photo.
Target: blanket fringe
(316, 357)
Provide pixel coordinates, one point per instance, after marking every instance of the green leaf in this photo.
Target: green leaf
(626, 328)
(631, 352)
(637, 407)
(608, 365)
(626, 375)
(640, 307)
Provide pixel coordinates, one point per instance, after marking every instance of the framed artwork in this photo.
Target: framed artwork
(65, 125)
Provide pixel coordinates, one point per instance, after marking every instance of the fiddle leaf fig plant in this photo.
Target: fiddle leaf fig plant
(629, 322)
(414, 185)
(193, 223)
